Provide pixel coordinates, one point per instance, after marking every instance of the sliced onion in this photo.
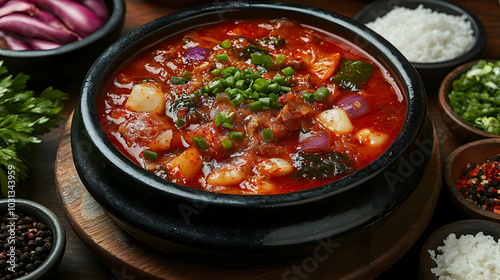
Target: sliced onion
(39, 44)
(14, 43)
(317, 143)
(18, 6)
(354, 105)
(196, 54)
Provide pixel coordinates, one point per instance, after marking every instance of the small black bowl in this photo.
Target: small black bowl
(431, 73)
(42, 214)
(65, 67)
(245, 229)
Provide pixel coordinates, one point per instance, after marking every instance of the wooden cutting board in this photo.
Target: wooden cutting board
(377, 250)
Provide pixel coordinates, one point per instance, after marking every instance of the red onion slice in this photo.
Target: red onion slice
(354, 105)
(39, 44)
(196, 54)
(14, 43)
(27, 26)
(317, 143)
(18, 6)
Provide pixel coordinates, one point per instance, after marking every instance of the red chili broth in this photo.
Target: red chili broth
(386, 115)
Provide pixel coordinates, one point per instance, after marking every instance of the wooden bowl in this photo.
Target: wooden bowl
(457, 125)
(460, 228)
(476, 151)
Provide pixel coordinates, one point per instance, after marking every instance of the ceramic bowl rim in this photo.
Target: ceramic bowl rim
(477, 26)
(444, 101)
(36, 209)
(115, 19)
(425, 261)
(416, 110)
(451, 184)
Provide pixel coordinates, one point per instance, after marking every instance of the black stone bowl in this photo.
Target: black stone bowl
(65, 67)
(263, 228)
(432, 73)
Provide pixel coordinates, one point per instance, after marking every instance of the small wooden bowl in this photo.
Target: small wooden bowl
(476, 151)
(457, 125)
(460, 228)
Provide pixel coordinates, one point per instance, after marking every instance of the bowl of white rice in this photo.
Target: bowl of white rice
(467, 249)
(434, 35)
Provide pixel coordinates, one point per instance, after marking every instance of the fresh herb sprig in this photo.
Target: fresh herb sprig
(23, 117)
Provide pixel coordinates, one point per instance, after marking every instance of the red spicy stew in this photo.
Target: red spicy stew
(252, 107)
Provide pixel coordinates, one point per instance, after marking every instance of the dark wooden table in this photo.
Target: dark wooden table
(81, 263)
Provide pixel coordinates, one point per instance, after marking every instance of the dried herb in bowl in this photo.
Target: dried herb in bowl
(475, 96)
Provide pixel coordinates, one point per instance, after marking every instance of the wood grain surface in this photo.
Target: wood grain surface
(81, 262)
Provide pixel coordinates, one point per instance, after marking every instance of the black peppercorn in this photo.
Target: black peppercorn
(24, 251)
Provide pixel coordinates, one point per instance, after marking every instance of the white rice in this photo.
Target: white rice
(468, 257)
(424, 35)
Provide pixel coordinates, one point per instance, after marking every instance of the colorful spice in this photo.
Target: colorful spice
(25, 249)
(480, 184)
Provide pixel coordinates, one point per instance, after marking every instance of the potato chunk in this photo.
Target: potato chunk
(336, 120)
(162, 141)
(146, 97)
(370, 137)
(226, 176)
(187, 164)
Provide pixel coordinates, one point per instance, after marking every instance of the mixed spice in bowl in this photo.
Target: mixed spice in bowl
(250, 136)
(472, 175)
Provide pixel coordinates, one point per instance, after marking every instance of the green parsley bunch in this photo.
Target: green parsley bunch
(23, 116)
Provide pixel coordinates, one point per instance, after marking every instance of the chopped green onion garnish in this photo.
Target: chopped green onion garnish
(288, 71)
(238, 100)
(240, 84)
(255, 106)
(221, 118)
(267, 135)
(280, 80)
(225, 44)
(266, 101)
(180, 122)
(320, 93)
(177, 81)
(228, 125)
(200, 142)
(216, 72)
(226, 144)
(186, 77)
(150, 155)
(260, 85)
(285, 89)
(279, 59)
(262, 59)
(308, 96)
(223, 57)
(236, 135)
